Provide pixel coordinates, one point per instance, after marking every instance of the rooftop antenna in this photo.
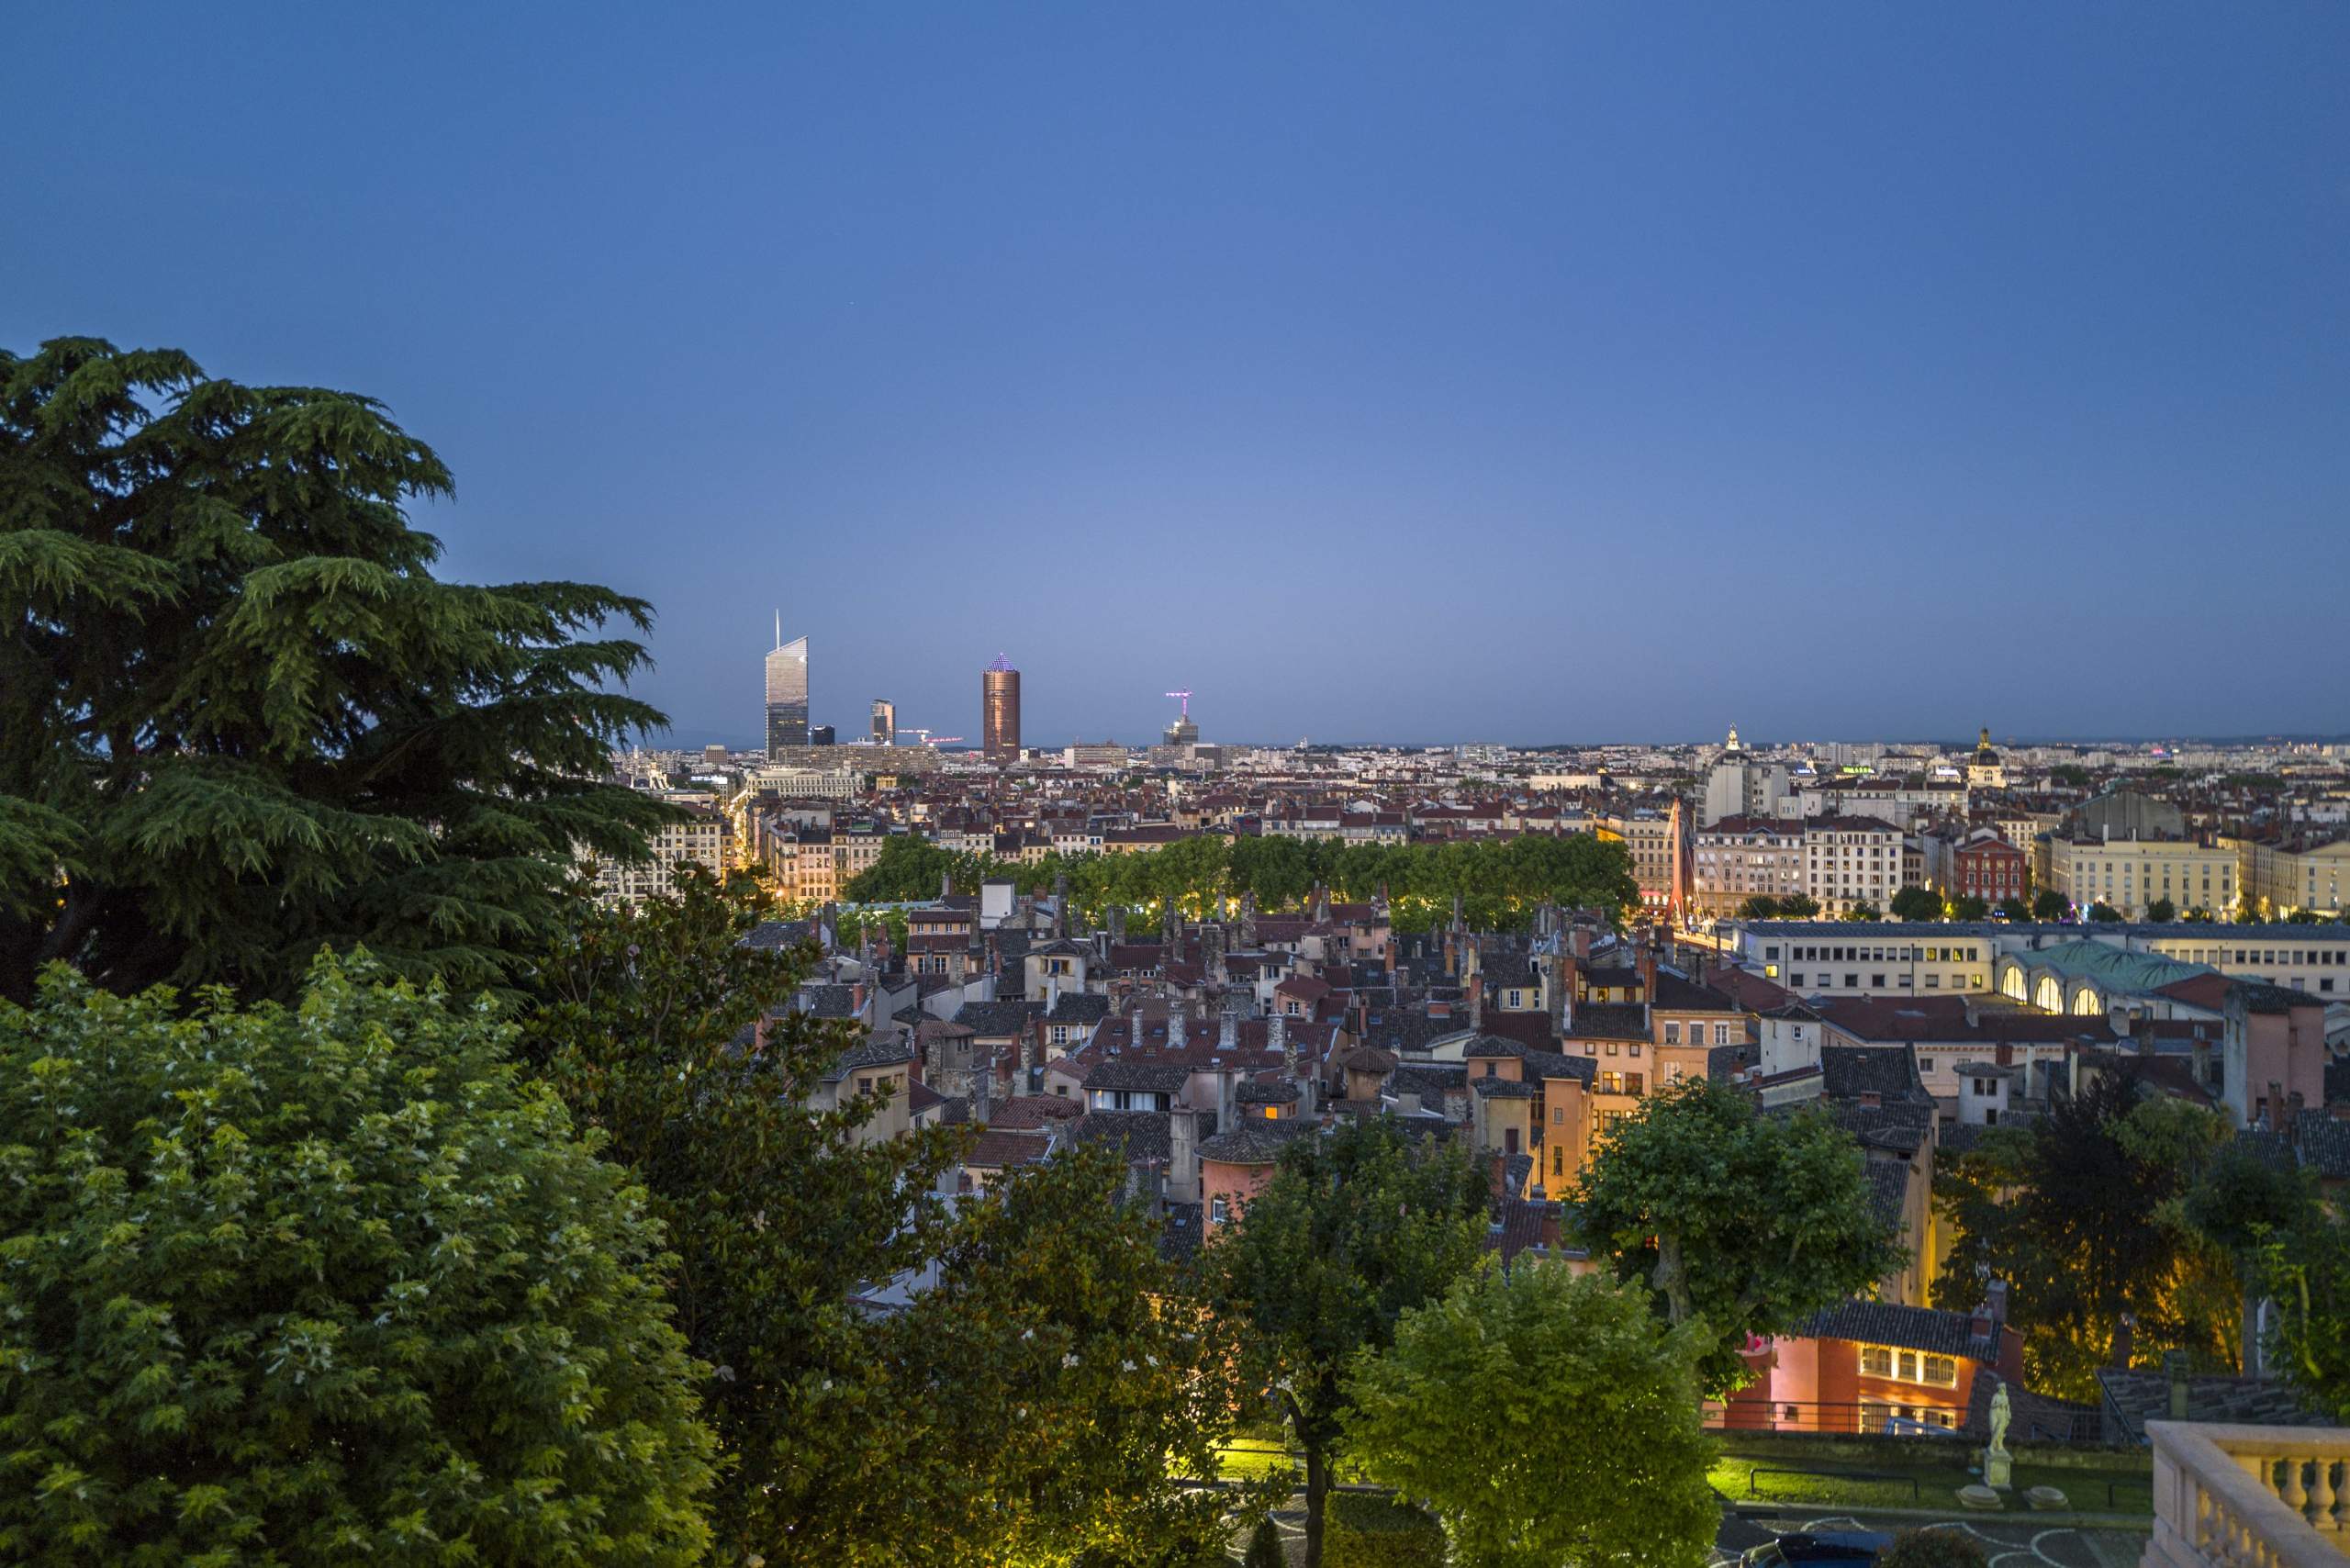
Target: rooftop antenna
(778, 627)
(1186, 698)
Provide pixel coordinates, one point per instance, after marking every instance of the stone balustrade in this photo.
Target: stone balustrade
(2249, 1496)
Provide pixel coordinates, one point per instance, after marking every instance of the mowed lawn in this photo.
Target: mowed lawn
(1938, 1480)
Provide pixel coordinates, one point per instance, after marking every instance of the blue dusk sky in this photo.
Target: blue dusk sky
(1555, 372)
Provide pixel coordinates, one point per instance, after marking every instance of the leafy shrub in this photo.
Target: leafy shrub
(1933, 1549)
(319, 1286)
(1264, 1546)
(1362, 1529)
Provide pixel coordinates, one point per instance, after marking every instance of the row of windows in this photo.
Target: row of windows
(1908, 1366)
(2318, 956)
(1879, 954)
(1879, 1417)
(1877, 981)
(1696, 1034)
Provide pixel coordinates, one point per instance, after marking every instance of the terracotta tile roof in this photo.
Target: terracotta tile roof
(1026, 1112)
(1000, 1149)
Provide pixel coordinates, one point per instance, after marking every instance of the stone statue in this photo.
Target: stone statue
(1998, 1465)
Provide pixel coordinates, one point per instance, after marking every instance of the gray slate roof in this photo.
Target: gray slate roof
(1137, 1135)
(1555, 1064)
(874, 1050)
(1128, 1072)
(769, 936)
(1908, 1327)
(828, 1000)
(1890, 1071)
(1253, 1140)
(1607, 1020)
(994, 1020)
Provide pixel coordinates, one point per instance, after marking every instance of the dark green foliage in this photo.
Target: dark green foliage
(1366, 1531)
(1966, 906)
(2101, 912)
(2162, 912)
(239, 716)
(2049, 904)
(1940, 1547)
(2015, 908)
(1265, 1546)
(1761, 906)
(1914, 903)
(1864, 910)
(2081, 1215)
(2241, 1197)
(1499, 881)
(322, 1286)
(1355, 1228)
(1054, 1383)
(1508, 1407)
(778, 1213)
(911, 868)
(2307, 1270)
(1670, 1199)
(1798, 906)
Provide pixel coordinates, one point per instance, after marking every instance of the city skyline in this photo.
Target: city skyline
(1656, 367)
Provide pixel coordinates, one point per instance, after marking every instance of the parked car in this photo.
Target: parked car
(1818, 1546)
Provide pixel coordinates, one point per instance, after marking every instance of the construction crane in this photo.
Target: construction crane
(1186, 698)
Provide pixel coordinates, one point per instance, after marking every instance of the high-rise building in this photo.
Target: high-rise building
(885, 722)
(1000, 711)
(786, 692)
(819, 735)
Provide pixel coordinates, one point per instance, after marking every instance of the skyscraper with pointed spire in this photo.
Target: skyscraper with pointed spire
(786, 692)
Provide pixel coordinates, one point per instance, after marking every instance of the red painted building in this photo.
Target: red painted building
(1872, 1367)
(1989, 869)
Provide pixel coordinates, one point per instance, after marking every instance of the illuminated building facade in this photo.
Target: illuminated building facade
(787, 694)
(1000, 711)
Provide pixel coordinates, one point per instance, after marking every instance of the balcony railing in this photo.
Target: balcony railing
(2249, 1496)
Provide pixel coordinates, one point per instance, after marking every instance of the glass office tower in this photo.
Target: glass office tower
(786, 695)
